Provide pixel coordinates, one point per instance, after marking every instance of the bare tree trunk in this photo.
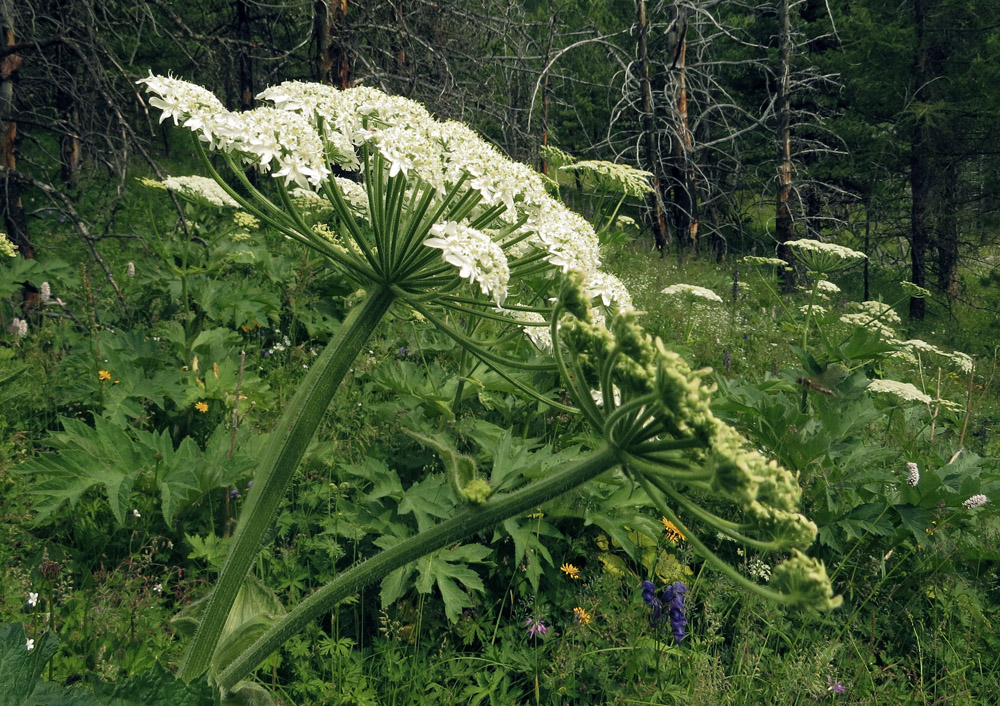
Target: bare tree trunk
(783, 214)
(545, 84)
(333, 64)
(10, 191)
(655, 198)
(685, 198)
(920, 178)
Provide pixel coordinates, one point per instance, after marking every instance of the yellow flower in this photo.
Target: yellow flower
(673, 534)
(103, 375)
(201, 407)
(581, 616)
(570, 570)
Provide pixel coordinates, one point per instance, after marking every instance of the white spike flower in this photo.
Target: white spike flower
(975, 501)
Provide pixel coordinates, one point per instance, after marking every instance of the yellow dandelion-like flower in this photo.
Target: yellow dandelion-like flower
(570, 570)
(673, 534)
(201, 407)
(103, 375)
(581, 616)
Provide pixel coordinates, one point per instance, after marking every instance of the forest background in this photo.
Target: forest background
(870, 124)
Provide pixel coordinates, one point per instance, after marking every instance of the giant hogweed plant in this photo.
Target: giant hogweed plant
(441, 223)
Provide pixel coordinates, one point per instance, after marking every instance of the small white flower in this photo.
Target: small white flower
(975, 501)
(913, 474)
(135, 513)
(158, 588)
(45, 293)
(30, 644)
(32, 599)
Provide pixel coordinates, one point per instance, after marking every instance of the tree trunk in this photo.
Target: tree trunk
(655, 198)
(783, 214)
(545, 84)
(10, 191)
(920, 168)
(685, 200)
(66, 105)
(245, 59)
(333, 64)
(946, 232)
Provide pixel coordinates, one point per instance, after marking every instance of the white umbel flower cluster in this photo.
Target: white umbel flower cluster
(538, 332)
(827, 287)
(199, 188)
(901, 391)
(825, 257)
(478, 258)
(812, 309)
(691, 293)
(263, 135)
(962, 362)
(874, 325)
(878, 311)
(764, 261)
(620, 177)
(307, 128)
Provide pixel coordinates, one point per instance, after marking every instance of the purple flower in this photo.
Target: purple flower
(835, 686)
(233, 494)
(536, 627)
(650, 599)
(249, 484)
(673, 600)
(673, 596)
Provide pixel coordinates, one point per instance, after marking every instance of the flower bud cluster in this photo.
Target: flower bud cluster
(679, 407)
(804, 580)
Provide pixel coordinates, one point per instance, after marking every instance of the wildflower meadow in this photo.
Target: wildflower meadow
(369, 412)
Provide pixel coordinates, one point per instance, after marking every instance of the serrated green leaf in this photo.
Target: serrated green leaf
(158, 687)
(49, 694)
(20, 668)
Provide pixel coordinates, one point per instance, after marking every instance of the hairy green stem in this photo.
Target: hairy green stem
(475, 519)
(284, 450)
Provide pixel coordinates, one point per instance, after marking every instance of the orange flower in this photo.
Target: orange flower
(581, 616)
(673, 534)
(201, 407)
(103, 375)
(570, 570)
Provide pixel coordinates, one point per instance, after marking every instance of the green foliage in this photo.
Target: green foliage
(133, 464)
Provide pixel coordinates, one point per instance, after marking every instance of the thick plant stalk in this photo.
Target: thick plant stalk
(474, 519)
(285, 448)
